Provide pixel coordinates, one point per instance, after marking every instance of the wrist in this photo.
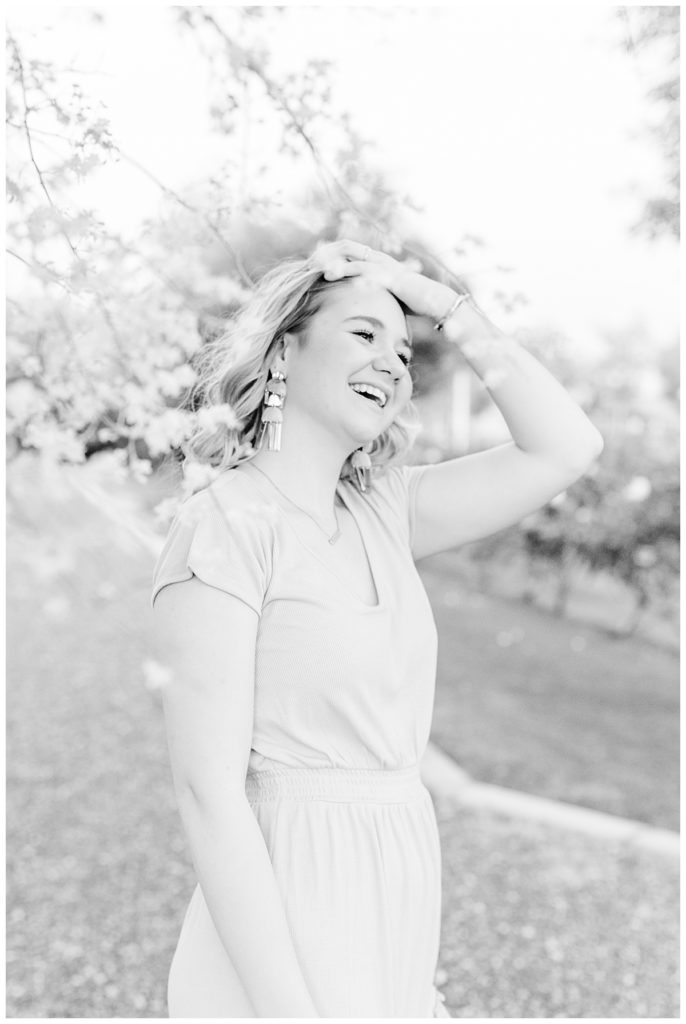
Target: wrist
(423, 296)
(457, 299)
(439, 299)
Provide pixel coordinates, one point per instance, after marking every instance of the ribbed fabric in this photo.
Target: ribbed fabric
(343, 703)
(340, 785)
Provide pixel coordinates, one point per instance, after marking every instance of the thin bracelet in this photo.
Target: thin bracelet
(456, 304)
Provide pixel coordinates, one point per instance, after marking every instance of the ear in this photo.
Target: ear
(286, 345)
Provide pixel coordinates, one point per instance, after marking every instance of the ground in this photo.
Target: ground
(535, 923)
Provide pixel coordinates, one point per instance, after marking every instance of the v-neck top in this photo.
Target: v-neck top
(313, 544)
(338, 683)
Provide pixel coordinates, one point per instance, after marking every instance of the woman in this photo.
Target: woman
(301, 641)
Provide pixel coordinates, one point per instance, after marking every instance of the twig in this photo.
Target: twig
(40, 268)
(277, 97)
(29, 142)
(192, 209)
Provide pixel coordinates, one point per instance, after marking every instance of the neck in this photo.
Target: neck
(308, 466)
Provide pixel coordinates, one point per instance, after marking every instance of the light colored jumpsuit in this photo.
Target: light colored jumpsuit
(344, 696)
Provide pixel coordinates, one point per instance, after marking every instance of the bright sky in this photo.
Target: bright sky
(521, 125)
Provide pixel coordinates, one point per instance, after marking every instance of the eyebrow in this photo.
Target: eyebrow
(376, 323)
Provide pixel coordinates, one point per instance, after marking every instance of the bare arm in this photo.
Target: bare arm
(553, 440)
(207, 639)
(473, 496)
(554, 443)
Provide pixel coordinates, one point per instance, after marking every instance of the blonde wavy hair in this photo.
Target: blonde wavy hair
(232, 371)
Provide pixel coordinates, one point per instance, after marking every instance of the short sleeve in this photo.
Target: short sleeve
(225, 547)
(397, 489)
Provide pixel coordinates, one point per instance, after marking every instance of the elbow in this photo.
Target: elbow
(588, 451)
(597, 445)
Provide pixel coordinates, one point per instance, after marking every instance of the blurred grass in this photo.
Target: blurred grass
(98, 875)
(554, 707)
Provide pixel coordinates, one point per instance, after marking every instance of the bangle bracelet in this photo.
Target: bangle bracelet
(458, 302)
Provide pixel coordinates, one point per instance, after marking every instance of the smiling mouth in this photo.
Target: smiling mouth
(371, 394)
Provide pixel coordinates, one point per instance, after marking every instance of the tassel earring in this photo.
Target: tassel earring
(362, 465)
(272, 416)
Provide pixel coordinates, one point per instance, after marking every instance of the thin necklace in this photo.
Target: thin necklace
(332, 538)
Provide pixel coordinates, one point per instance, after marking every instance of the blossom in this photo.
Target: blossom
(197, 475)
(59, 442)
(165, 510)
(213, 416)
(23, 401)
(645, 556)
(638, 489)
(155, 675)
(167, 430)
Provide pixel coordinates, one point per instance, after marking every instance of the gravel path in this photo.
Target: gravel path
(543, 923)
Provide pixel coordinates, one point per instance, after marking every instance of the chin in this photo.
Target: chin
(358, 436)
(367, 439)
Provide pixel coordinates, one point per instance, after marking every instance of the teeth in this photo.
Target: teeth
(369, 389)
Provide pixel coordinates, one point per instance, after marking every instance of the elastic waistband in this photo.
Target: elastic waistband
(369, 785)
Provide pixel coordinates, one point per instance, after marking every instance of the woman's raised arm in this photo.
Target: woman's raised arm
(553, 440)
(207, 640)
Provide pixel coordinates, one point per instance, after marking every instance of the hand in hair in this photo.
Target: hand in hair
(345, 258)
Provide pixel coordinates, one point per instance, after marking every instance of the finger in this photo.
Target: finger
(344, 268)
(368, 255)
(360, 251)
(330, 254)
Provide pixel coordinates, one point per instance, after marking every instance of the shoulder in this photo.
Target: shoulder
(395, 485)
(392, 494)
(232, 500)
(397, 478)
(223, 534)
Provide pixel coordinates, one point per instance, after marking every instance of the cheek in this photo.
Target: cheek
(311, 376)
(405, 389)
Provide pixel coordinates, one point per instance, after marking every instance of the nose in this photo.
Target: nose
(390, 362)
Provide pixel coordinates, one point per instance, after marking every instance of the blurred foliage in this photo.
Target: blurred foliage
(102, 329)
(657, 30)
(623, 515)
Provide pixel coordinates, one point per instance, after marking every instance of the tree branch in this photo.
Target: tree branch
(39, 269)
(239, 55)
(228, 248)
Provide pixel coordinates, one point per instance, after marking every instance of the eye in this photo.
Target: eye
(369, 335)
